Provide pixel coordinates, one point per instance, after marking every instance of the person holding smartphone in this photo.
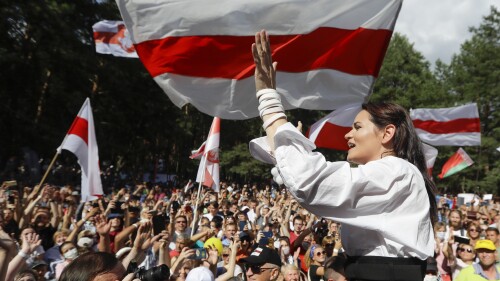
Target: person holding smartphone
(386, 204)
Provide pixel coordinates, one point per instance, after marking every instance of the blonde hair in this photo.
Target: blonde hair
(309, 255)
(288, 267)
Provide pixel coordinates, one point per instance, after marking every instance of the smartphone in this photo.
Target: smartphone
(461, 240)
(241, 225)
(268, 234)
(159, 224)
(118, 208)
(199, 254)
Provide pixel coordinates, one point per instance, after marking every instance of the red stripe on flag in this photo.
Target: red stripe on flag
(463, 125)
(208, 180)
(80, 127)
(230, 56)
(110, 37)
(332, 136)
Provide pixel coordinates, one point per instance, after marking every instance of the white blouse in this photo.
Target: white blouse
(383, 206)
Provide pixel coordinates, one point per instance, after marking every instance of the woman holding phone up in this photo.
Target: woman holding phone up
(386, 204)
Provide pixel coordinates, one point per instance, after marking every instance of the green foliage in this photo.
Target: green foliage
(48, 66)
(405, 78)
(474, 75)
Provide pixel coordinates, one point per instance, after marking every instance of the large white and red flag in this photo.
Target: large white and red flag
(81, 141)
(455, 126)
(198, 153)
(329, 52)
(112, 38)
(330, 130)
(208, 172)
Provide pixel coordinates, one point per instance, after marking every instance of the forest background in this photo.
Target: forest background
(48, 66)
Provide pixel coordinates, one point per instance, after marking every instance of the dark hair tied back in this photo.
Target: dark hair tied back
(406, 143)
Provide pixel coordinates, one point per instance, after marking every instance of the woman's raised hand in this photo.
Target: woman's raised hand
(265, 68)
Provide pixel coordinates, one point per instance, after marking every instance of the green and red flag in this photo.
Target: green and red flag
(457, 162)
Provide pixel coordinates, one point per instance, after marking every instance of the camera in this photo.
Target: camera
(157, 273)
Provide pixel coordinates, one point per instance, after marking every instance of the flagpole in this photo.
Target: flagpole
(49, 168)
(198, 195)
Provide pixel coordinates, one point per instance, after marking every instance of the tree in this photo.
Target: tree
(474, 75)
(406, 79)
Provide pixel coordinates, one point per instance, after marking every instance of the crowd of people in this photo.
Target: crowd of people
(242, 232)
(379, 220)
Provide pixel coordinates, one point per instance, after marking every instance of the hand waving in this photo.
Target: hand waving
(265, 69)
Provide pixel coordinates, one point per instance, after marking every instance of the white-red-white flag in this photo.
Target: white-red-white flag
(208, 172)
(81, 141)
(455, 126)
(112, 38)
(196, 154)
(430, 154)
(329, 52)
(330, 130)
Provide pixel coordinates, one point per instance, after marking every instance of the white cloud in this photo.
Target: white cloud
(438, 27)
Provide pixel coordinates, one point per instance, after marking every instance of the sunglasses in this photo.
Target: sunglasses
(256, 269)
(464, 249)
(473, 230)
(320, 253)
(329, 244)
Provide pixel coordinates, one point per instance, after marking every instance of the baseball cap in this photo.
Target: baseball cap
(244, 236)
(485, 244)
(200, 273)
(262, 255)
(38, 263)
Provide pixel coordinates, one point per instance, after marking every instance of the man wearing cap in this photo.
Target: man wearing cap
(486, 269)
(263, 264)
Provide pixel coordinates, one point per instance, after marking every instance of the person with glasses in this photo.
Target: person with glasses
(228, 267)
(263, 264)
(465, 256)
(486, 269)
(180, 226)
(473, 232)
(386, 204)
(315, 261)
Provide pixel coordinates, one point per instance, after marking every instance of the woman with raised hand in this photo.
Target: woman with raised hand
(315, 261)
(386, 204)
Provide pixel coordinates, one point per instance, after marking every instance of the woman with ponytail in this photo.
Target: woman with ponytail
(382, 195)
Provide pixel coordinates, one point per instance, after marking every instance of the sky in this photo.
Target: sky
(437, 28)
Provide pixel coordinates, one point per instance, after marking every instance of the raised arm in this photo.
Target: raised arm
(265, 78)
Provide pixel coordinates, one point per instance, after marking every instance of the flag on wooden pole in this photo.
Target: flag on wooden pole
(81, 141)
(208, 172)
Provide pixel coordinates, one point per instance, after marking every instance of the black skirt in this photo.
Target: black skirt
(371, 268)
